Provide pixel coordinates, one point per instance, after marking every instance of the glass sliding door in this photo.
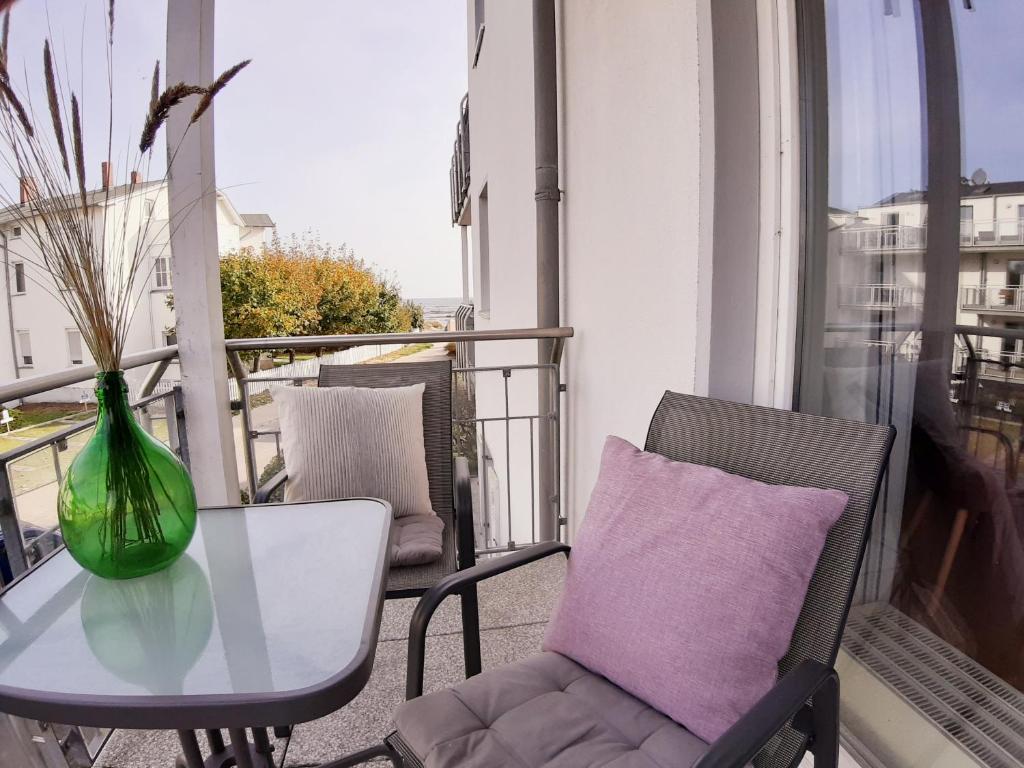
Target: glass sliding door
(912, 313)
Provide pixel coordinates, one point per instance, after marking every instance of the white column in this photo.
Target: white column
(196, 272)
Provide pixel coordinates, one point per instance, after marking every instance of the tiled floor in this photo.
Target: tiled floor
(514, 608)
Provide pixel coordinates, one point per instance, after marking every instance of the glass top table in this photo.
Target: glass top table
(271, 617)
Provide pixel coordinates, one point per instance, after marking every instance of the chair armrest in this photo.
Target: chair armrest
(464, 513)
(264, 492)
(451, 585)
(811, 680)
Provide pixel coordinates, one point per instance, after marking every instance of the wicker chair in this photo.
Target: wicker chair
(450, 496)
(801, 712)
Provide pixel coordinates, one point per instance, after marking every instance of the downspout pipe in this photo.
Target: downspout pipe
(547, 196)
(10, 303)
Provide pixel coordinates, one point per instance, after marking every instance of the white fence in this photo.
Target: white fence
(310, 367)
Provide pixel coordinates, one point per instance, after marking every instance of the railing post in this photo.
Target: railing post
(248, 449)
(14, 544)
(180, 428)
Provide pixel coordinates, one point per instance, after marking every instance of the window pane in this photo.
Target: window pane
(931, 662)
(75, 346)
(25, 347)
(19, 278)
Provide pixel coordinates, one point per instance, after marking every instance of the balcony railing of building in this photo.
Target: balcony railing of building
(459, 174)
(523, 439)
(992, 233)
(992, 298)
(883, 237)
(1003, 366)
(879, 296)
(506, 440)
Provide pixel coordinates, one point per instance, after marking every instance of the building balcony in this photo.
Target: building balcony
(992, 299)
(882, 238)
(459, 174)
(986, 235)
(878, 296)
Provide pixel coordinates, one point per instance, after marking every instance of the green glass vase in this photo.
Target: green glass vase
(127, 506)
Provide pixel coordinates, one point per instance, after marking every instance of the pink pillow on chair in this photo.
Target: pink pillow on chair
(685, 583)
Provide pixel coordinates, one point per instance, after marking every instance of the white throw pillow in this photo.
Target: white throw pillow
(341, 442)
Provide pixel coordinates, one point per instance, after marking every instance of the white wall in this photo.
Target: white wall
(501, 135)
(631, 166)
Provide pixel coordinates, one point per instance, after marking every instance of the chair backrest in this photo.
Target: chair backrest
(787, 448)
(437, 411)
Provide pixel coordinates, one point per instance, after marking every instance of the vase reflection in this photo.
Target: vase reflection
(150, 631)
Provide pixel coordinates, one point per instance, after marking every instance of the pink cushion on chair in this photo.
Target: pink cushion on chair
(685, 583)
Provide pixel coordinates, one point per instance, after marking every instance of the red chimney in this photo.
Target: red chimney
(136, 178)
(106, 174)
(28, 189)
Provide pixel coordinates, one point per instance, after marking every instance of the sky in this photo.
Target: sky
(342, 126)
(875, 96)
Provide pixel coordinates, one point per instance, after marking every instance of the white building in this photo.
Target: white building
(38, 333)
(881, 248)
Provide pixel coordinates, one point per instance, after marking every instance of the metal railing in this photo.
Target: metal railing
(883, 237)
(991, 232)
(993, 298)
(36, 459)
(514, 436)
(877, 296)
(459, 173)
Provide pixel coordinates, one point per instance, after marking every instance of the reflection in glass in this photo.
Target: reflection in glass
(150, 631)
(933, 659)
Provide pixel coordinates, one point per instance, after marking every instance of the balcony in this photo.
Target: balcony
(997, 233)
(997, 299)
(878, 296)
(882, 238)
(489, 422)
(459, 174)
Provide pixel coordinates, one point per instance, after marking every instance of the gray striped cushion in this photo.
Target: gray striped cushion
(342, 442)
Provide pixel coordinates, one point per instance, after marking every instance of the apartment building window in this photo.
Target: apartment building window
(15, 233)
(170, 338)
(148, 207)
(19, 277)
(24, 348)
(75, 356)
(485, 253)
(162, 272)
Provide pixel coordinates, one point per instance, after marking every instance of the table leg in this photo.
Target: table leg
(190, 749)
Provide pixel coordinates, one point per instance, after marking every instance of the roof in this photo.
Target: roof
(92, 197)
(257, 220)
(967, 191)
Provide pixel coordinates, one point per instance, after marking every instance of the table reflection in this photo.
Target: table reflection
(150, 631)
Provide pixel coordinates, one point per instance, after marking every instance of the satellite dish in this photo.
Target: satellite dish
(979, 177)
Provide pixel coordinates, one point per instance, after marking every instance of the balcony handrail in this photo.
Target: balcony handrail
(425, 337)
(35, 385)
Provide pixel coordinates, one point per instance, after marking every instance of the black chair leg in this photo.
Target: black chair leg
(825, 711)
(471, 631)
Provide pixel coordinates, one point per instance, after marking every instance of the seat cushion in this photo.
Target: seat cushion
(544, 711)
(341, 442)
(416, 540)
(685, 583)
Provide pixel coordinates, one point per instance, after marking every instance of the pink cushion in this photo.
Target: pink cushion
(685, 583)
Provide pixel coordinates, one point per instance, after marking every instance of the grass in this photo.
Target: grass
(32, 414)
